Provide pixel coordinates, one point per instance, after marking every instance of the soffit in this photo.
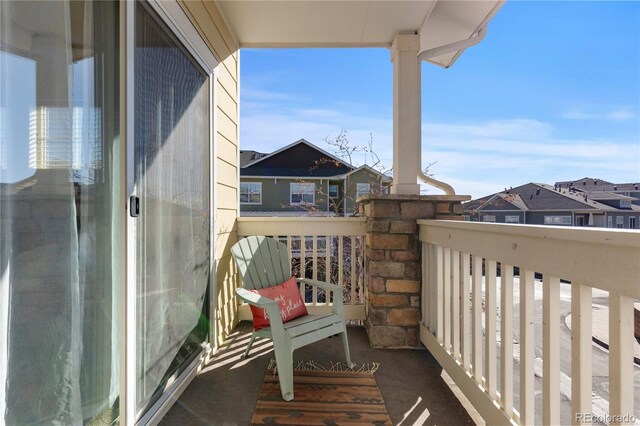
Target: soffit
(355, 23)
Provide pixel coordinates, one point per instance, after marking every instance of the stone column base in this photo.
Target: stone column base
(393, 263)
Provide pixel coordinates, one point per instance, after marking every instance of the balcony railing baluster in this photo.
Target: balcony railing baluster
(460, 280)
(581, 367)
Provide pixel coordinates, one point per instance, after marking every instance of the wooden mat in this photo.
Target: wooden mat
(322, 398)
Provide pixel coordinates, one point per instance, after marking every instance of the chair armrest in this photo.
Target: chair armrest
(320, 284)
(337, 305)
(254, 298)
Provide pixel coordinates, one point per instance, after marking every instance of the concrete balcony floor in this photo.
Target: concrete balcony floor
(415, 388)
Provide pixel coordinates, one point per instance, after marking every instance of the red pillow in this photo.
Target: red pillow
(289, 301)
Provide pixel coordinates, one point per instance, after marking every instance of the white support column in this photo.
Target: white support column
(406, 114)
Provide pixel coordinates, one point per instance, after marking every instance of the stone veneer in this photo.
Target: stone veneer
(393, 262)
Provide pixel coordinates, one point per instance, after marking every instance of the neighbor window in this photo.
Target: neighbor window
(632, 222)
(512, 219)
(625, 204)
(362, 189)
(333, 191)
(303, 193)
(250, 193)
(557, 220)
(610, 222)
(619, 222)
(488, 218)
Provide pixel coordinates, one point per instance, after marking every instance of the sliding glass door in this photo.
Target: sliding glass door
(59, 211)
(67, 238)
(171, 161)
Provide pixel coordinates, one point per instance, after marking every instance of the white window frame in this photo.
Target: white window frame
(512, 219)
(558, 220)
(259, 184)
(303, 192)
(632, 219)
(619, 221)
(361, 188)
(491, 218)
(609, 221)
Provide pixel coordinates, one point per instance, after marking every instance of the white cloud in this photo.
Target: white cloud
(518, 128)
(268, 96)
(618, 114)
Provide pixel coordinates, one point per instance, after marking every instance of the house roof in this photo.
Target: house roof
(385, 178)
(356, 23)
(498, 201)
(299, 159)
(594, 184)
(298, 142)
(536, 196)
(608, 196)
(247, 156)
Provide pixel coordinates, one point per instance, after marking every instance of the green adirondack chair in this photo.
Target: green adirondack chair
(264, 262)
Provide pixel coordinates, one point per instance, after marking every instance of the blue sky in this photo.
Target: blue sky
(552, 93)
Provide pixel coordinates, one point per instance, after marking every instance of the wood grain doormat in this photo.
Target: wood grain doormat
(324, 398)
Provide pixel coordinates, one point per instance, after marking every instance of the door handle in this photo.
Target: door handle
(134, 206)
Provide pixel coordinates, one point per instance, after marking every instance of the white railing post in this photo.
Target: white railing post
(446, 266)
(581, 376)
(433, 290)
(551, 350)
(620, 358)
(439, 293)
(506, 339)
(455, 303)
(466, 311)
(490, 327)
(527, 354)
(477, 318)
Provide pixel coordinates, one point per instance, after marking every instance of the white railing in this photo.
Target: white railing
(473, 268)
(328, 249)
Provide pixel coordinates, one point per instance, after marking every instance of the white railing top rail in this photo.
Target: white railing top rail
(307, 226)
(608, 259)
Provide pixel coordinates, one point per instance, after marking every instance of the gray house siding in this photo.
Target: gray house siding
(537, 218)
(276, 195)
(625, 219)
(500, 216)
(360, 176)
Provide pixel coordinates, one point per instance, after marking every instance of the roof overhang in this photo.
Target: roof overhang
(357, 23)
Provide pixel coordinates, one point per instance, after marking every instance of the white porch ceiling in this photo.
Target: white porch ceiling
(355, 23)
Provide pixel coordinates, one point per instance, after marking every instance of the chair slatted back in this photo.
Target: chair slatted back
(262, 261)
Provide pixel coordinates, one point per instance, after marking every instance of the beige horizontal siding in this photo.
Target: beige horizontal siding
(225, 170)
(227, 151)
(227, 196)
(226, 79)
(226, 127)
(226, 103)
(226, 221)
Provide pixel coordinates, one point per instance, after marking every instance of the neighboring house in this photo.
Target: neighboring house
(542, 204)
(302, 179)
(593, 186)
